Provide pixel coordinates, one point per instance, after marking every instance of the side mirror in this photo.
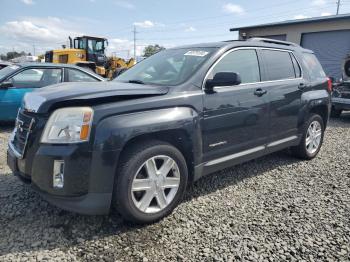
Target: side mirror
(223, 79)
(6, 84)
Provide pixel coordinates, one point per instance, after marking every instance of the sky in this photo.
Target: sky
(41, 25)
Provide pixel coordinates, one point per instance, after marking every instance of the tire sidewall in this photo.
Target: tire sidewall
(126, 176)
(313, 118)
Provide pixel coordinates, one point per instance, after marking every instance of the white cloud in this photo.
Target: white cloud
(233, 9)
(319, 2)
(300, 17)
(125, 4)
(39, 30)
(190, 29)
(28, 2)
(124, 48)
(325, 14)
(144, 24)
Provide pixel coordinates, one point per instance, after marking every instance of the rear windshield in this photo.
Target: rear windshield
(314, 67)
(8, 70)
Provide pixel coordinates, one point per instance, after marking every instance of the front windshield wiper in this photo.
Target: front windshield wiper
(135, 81)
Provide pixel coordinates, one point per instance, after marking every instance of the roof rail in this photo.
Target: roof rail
(272, 41)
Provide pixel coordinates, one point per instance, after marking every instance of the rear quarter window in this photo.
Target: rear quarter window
(278, 65)
(313, 67)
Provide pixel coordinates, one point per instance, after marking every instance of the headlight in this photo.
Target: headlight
(68, 125)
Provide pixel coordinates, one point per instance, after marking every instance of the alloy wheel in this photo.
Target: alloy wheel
(155, 184)
(313, 137)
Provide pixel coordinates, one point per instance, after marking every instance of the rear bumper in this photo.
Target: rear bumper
(341, 103)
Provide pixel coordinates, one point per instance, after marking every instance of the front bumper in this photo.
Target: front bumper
(88, 176)
(341, 103)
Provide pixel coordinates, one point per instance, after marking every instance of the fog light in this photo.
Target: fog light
(58, 174)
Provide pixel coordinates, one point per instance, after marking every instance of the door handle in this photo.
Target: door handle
(260, 92)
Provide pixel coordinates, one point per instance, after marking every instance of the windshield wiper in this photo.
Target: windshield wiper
(135, 81)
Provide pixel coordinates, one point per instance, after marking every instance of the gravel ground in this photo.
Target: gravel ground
(275, 208)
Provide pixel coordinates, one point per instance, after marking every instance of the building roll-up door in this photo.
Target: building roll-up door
(331, 48)
(275, 37)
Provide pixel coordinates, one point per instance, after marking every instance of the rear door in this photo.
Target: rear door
(235, 118)
(283, 81)
(25, 81)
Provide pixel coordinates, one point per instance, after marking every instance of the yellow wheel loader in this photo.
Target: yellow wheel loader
(89, 52)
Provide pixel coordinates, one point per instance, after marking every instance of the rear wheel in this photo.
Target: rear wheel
(312, 138)
(150, 182)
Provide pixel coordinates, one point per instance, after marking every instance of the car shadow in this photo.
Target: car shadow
(28, 223)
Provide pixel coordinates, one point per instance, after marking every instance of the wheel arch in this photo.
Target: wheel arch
(315, 102)
(178, 126)
(178, 138)
(323, 111)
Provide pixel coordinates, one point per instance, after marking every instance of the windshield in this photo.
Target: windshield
(168, 67)
(8, 70)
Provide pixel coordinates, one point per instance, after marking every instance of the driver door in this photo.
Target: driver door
(236, 118)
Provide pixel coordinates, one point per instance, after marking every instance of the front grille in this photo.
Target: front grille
(23, 128)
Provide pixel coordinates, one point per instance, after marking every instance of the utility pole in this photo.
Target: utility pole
(33, 49)
(134, 42)
(338, 5)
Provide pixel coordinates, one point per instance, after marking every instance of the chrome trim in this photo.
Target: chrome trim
(11, 146)
(18, 155)
(281, 141)
(254, 83)
(249, 151)
(218, 144)
(233, 156)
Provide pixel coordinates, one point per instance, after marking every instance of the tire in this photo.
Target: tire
(303, 150)
(335, 113)
(128, 197)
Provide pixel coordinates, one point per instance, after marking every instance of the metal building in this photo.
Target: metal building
(327, 36)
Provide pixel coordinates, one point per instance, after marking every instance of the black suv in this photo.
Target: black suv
(137, 142)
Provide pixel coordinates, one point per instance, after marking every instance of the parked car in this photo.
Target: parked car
(136, 143)
(19, 79)
(341, 91)
(340, 99)
(4, 64)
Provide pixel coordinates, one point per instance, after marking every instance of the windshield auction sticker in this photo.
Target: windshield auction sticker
(196, 53)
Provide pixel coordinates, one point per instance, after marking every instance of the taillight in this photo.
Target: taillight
(329, 87)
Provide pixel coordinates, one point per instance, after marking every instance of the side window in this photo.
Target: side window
(37, 77)
(296, 65)
(314, 67)
(243, 62)
(278, 65)
(75, 75)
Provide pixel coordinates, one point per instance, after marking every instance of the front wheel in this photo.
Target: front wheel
(151, 181)
(312, 138)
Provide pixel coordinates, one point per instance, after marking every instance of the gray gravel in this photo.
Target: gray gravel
(275, 208)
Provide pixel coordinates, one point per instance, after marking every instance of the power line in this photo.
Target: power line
(283, 14)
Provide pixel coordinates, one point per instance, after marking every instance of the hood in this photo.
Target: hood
(41, 100)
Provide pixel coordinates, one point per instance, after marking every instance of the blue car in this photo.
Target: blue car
(18, 79)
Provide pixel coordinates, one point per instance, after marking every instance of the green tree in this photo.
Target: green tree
(152, 49)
